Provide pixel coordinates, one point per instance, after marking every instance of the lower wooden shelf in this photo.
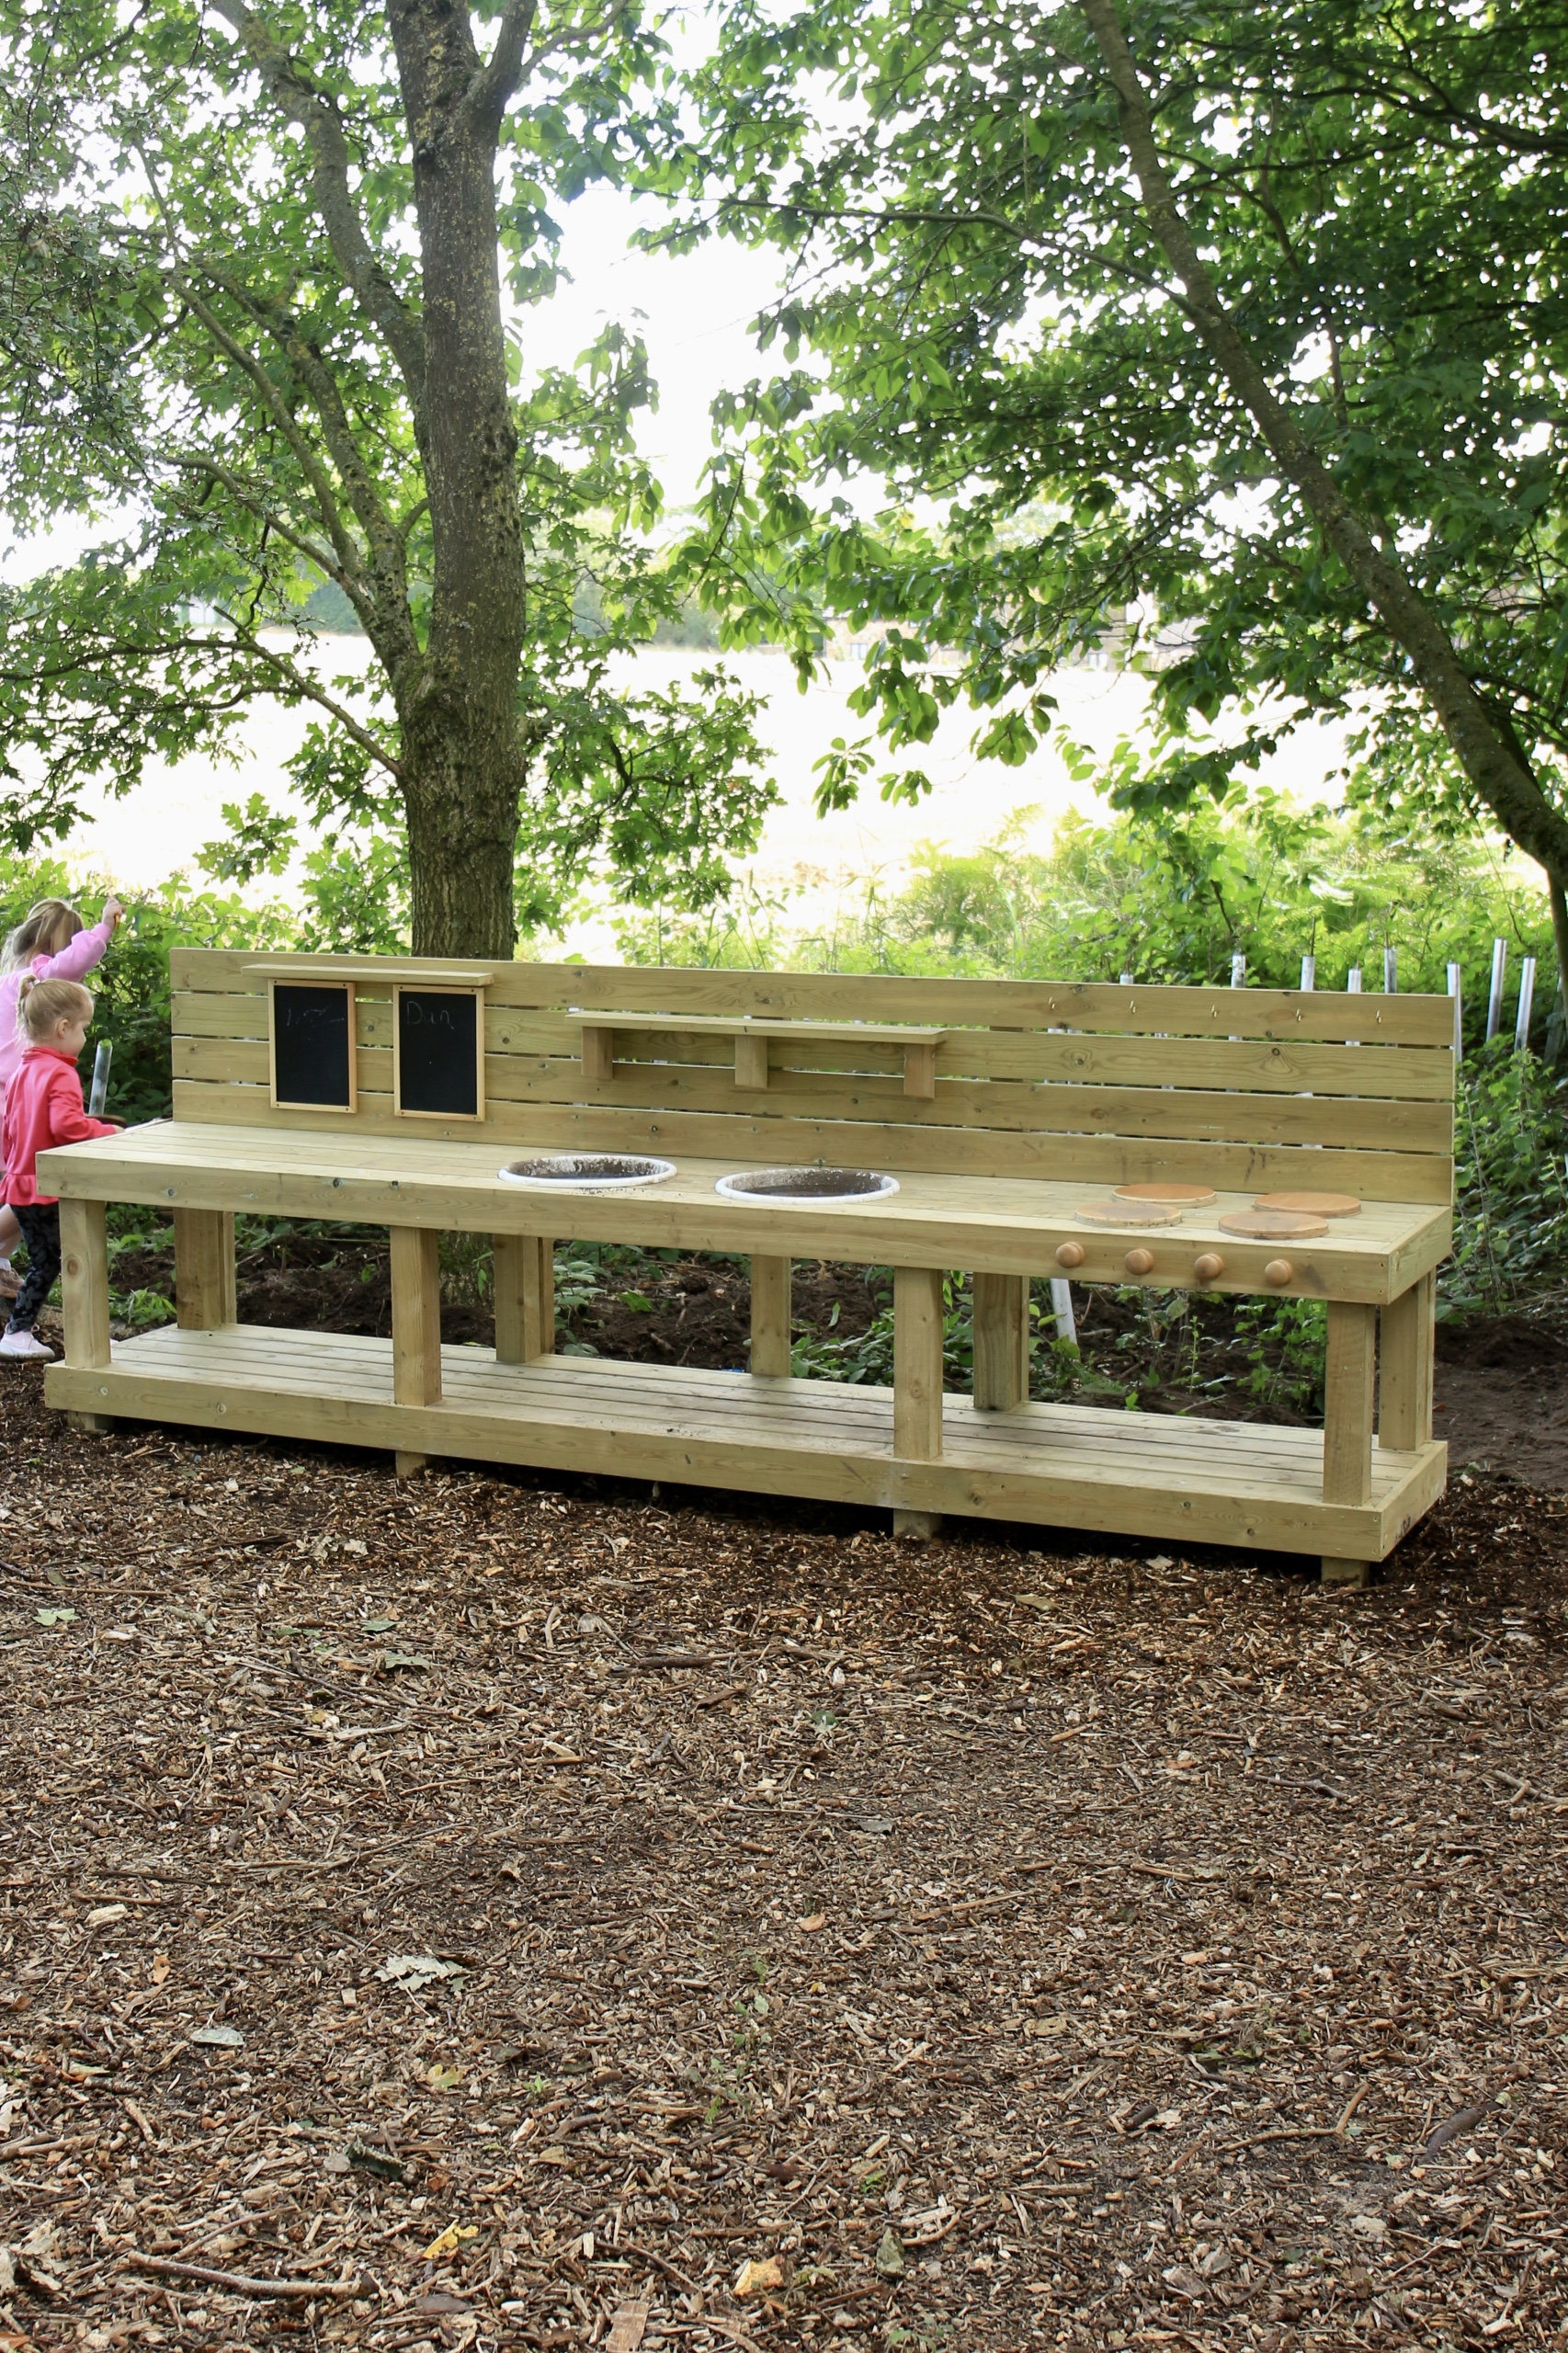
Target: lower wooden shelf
(1066, 1466)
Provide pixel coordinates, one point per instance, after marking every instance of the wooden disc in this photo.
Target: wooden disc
(1127, 1213)
(1310, 1204)
(1272, 1226)
(1161, 1188)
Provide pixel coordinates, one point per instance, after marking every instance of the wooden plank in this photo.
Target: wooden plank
(1405, 1354)
(1001, 1342)
(525, 1297)
(1161, 1112)
(1348, 1403)
(917, 1362)
(1220, 1011)
(1257, 1066)
(422, 970)
(204, 1268)
(597, 1056)
(1164, 1477)
(751, 1061)
(920, 1073)
(901, 1034)
(83, 1283)
(749, 1140)
(416, 1315)
(771, 1317)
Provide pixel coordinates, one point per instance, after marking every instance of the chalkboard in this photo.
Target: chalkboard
(438, 1053)
(313, 1045)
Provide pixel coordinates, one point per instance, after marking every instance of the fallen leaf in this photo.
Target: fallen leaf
(104, 1913)
(448, 2241)
(816, 1920)
(161, 1965)
(413, 1971)
(444, 2079)
(756, 2279)
(219, 2037)
(1048, 2026)
(439, 2301)
(54, 1617)
(890, 2255)
(394, 1661)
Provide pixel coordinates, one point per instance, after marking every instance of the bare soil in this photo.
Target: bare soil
(488, 1912)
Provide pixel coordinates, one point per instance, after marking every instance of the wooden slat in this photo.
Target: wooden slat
(1348, 1402)
(743, 1141)
(1001, 1342)
(770, 1316)
(84, 1282)
(1405, 1352)
(204, 1268)
(1414, 1073)
(416, 1315)
(524, 1273)
(1285, 1014)
(1165, 1477)
(1351, 1123)
(918, 1363)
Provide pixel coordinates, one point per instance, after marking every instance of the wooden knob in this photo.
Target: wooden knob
(1278, 1272)
(1208, 1269)
(1071, 1254)
(1139, 1262)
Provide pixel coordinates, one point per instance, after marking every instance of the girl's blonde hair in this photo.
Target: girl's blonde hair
(44, 931)
(42, 1004)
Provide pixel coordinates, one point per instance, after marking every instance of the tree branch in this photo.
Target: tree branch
(297, 96)
(1503, 781)
(497, 82)
(308, 689)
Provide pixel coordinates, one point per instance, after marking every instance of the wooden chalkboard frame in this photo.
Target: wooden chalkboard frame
(422, 988)
(285, 1103)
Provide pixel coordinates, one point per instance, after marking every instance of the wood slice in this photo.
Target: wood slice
(1161, 1188)
(1272, 1226)
(1310, 1204)
(1127, 1213)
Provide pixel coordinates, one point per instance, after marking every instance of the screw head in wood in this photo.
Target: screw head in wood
(1071, 1254)
(1139, 1262)
(1208, 1269)
(1278, 1272)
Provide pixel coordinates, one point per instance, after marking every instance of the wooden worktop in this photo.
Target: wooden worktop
(993, 1225)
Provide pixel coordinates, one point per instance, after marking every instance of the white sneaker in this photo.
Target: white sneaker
(27, 1344)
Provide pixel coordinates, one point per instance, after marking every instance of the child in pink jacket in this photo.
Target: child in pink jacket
(52, 943)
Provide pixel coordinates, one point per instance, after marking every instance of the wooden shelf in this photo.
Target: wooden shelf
(1147, 1474)
(752, 1040)
(368, 975)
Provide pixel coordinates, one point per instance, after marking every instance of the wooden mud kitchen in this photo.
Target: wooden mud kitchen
(1283, 1144)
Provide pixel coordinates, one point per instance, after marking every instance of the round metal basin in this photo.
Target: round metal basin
(806, 1188)
(587, 1172)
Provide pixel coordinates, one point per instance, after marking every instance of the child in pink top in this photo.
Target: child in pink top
(52, 943)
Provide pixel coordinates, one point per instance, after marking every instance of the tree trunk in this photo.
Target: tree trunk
(463, 758)
(1500, 777)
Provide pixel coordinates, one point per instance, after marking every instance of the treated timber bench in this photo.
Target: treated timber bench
(1000, 1108)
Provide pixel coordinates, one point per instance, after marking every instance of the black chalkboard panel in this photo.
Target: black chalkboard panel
(438, 1053)
(313, 1045)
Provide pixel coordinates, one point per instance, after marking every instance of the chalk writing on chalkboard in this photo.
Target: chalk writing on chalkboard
(438, 1053)
(313, 1045)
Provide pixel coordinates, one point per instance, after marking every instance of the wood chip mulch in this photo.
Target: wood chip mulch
(474, 1915)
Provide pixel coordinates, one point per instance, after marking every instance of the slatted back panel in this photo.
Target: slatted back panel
(1237, 1088)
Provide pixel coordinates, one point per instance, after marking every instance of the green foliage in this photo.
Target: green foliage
(1511, 1219)
(978, 316)
(186, 336)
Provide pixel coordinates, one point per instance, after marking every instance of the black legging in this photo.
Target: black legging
(40, 1221)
